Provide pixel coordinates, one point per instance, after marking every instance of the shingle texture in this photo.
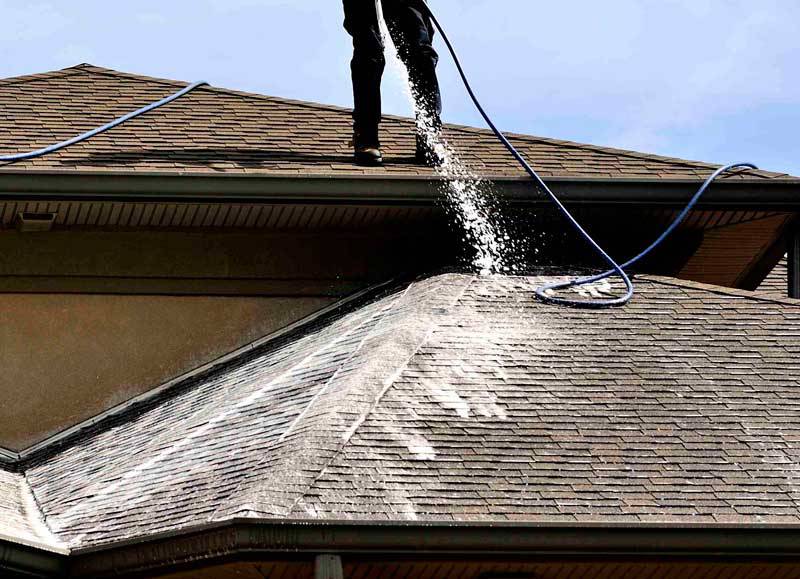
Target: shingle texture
(221, 131)
(20, 519)
(776, 283)
(462, 398)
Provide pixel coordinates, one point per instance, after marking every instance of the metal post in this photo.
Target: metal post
(328, 567)
(794, 263)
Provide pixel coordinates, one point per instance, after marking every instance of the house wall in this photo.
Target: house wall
(211, 262)
(66, 358)
(93, 318)
(93, 315)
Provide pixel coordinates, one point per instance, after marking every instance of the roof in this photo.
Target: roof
(776, 283)
(20, 519)
(215, 131)
(461, 398)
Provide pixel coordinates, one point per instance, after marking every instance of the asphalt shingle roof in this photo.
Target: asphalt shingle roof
(462, 398)
(214, 130)
(20, 519)
(776, 283)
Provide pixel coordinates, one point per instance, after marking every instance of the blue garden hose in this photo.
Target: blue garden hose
(544, 293)
(541, 292)
(94, 132)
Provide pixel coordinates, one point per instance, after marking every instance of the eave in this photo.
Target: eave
(776, 194)
(30, 560)
(249, 538)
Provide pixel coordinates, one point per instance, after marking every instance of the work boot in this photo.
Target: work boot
(427, 155)
(367, 148)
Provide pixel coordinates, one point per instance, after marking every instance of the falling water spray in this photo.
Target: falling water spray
(468, 198)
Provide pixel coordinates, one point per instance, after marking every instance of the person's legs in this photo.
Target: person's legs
(412, 33)
(361, 21)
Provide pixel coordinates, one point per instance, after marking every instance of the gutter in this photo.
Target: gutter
(382, 189)
(302, 539)
(17, 559)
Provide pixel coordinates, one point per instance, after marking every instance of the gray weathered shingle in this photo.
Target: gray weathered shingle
(20, 519)
(462, 398)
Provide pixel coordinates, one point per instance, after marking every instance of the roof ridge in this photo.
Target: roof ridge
(611, 151)
(356, 400)
(176, 384)
(99, 70)
(16, 80)
(37, 517)
(388, 384)
(26, 524)
(720, 290)
(222, 90)
(615, 151)
(242, 489)
(611, 156)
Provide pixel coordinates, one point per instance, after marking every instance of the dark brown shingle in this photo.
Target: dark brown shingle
(777, 282)
(215, 130)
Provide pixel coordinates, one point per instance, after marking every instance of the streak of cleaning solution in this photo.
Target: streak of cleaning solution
(469, 199)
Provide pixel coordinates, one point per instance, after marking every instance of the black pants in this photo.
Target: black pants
(412, 33)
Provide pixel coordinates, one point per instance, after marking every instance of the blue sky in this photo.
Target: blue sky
(714, 80)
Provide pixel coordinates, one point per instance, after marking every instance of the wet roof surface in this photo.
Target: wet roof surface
(218, 131)
(463, 399)
(20, 519)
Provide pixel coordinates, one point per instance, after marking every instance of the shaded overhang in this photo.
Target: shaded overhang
(249, 539)
(252, 539)
(29, 559)
(774, 194)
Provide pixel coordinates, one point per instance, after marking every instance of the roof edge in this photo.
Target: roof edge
(29, 544)
(188, 186)
(31, 560)
(8, 457)
(87, 68)
(615, 151)
(237, 537)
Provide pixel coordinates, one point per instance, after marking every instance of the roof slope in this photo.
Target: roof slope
(215, 131)
(461, 398)
(20, 519)
(777, 282)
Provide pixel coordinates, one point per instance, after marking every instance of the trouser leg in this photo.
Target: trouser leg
(361, 21)
(412, 32)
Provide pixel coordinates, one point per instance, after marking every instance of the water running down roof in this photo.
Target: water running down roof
(462, 399)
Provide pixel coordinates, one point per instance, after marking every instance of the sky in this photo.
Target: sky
(712, 80)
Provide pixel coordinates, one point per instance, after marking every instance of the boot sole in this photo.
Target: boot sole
(369, 161)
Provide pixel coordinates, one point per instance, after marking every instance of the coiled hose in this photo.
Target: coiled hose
(545, 292)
